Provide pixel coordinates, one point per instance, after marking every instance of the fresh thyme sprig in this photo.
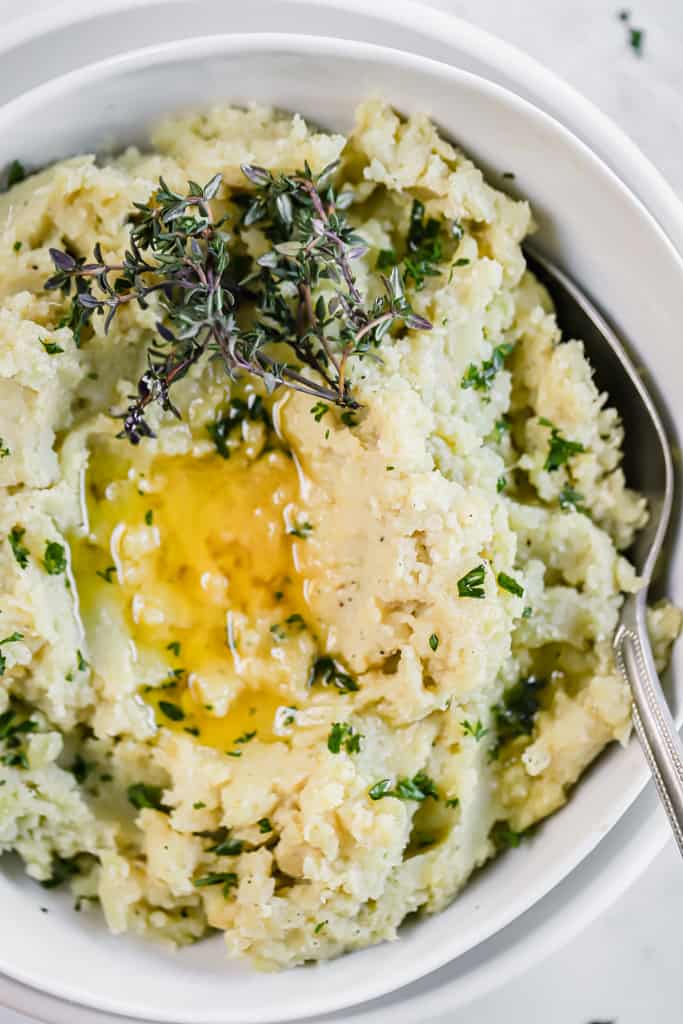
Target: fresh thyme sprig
(301, 294)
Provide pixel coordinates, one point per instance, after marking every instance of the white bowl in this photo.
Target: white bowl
(599, 232)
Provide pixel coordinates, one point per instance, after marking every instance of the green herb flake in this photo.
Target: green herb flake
(636, 40)
(476, 730)
(264, 825)
(572, 500)
(480, 378)
(63, 868)
(149, 517)
(228, 879)
(425, 250)
(452, 802)
(348, 418)
(343, 735)
(11, 639)
(419, 788)
(504, 837)
(327, 672)
(198, 805)
(81, 662)
(560, 450)
(20, 552)
(527, 613)
(174, 647)
(5, 451)
(300, 530)
(246, 737)
(54, 559)
(516, 713)
(506, 582)
(472, 583)
(17, 246)
(107, 574)
(434, 641)
(501, 484)
(141, 795)
(386, 259)
(51, 347)
(319, 410)
(319, 927)
(172, 711)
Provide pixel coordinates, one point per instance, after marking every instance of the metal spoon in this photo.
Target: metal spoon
(648, 468)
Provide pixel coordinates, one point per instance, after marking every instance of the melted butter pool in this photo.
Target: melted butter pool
(193, 554)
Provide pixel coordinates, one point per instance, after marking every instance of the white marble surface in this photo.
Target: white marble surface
(626, 967)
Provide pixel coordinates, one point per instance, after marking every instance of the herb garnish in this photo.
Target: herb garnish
(172, 711)
(472, 583)
(329, 673)
(572, 500)
(4, 449)
(511, 585)
(481, 377)
(504, 837)
(51, 347)
(418, 788)
(424, 247)
(238, 411)
(516, 713)
(180, 252)
(13, 638)
(63, 868)
(140, 794)
(343, 735)
(477, 730)
(81, 662)
(264, 825)
(174, 648)
(54, 559)
(20, 552)
(107, 574)
(228, 879)
(300, 530)
(434, 641)
(560, 450)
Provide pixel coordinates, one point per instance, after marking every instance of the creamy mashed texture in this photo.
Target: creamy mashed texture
(275, 673)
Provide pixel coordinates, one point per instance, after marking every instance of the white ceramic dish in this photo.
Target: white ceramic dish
(603, 235)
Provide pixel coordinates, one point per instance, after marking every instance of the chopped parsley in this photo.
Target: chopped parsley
(81, 662)
(20, 552)
(516, 713)
(228, 879)
(172, 711)
(504, 837)
(264, 825)
(419, 788)
(140, 795)
(54, 558)
(472, 583)
(502, 426)
(319, 927)
(51, 347)
(149, 517)
(228, 847)
(17, 246)
(424, 247)
(318, 410)
(386, 259)
(198, 805)
(237, 413)
(343, 735)
(526, 614)
(246, 737)
(453, 801)
(508, 583)
(434, 641)
(300, 530)
(107, 574)
(560, 450)
(327, 672)
(477, 730)
(501, 484)
(174, 648)
(4, 449)
(348, 418)
(481, 377)
(13, 638)
(572, 500)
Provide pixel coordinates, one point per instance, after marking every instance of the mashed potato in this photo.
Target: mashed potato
(301, 692)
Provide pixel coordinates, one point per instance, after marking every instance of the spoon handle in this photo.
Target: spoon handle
(652, 719)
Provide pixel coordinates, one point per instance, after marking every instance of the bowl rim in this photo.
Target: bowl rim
(194, 47)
